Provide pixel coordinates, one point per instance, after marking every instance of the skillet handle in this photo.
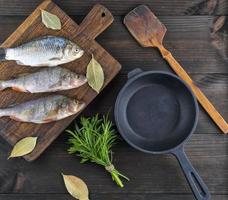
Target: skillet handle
(134, 72)
(196, 183)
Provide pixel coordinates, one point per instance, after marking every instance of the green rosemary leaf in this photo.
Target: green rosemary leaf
(92, 140)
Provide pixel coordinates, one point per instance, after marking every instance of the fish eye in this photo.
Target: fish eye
(76, 50)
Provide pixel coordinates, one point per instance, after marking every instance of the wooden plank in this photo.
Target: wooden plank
(184, 36)
(13, 131)
(148, 173)
(118, 7)
(194, 33)
(152, 177)
(106, 196)
(149, 31)
(199, 26)
(215, 86)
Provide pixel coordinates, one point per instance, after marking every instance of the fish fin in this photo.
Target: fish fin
(4, 112)
(2, 87)
(19, 62)
(2, 54)
(48, 120)
(15, 119)
(17, 89)
(56, 85)
(23, 74)
(55, 59)
(52, 116)
(44, 65)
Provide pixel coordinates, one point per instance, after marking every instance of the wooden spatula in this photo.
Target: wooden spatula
(149, 32)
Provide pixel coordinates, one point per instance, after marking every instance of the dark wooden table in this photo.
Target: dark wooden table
(198, 37)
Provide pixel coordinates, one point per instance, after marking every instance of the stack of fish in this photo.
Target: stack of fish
(48, 52)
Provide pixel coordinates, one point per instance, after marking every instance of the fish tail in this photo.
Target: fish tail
(2, 85)
(2, 54)
(4, 112)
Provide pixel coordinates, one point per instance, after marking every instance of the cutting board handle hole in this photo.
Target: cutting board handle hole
(103, 14)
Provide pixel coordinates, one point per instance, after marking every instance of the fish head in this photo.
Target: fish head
(73, 51)
(79, 80)
(76, 106)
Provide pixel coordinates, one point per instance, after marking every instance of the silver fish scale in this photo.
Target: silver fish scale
(53, 43)
(48, 42)
(40, 109)
(45, 51)
(46, 80)
(44, 110)
(45, 48)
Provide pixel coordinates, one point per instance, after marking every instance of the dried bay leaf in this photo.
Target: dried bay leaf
(76, 187)
(50, 20)
(218, 23)
(95, 75)
(23, 147)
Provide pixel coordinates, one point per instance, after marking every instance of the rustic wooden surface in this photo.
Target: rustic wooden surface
(197, 37)
(149, 31)
(95, 22)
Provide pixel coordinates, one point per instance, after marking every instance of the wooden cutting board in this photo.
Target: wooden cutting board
(94, 23)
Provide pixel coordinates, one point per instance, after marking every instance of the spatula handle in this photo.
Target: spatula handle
(206, 104)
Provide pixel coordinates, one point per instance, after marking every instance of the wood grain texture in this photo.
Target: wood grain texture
(119, 7)
(215, 86)
(13, 131)
(149, 174)
(149, 31)
(200, 50)
(185, 35)
(201, 97)
(106, 196)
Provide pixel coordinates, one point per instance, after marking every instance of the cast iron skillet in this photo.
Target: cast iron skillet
(156, 113)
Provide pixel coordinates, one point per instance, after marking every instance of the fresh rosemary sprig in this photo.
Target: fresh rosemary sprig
(92, 141)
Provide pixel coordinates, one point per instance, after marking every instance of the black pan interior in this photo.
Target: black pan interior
(155, 112)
